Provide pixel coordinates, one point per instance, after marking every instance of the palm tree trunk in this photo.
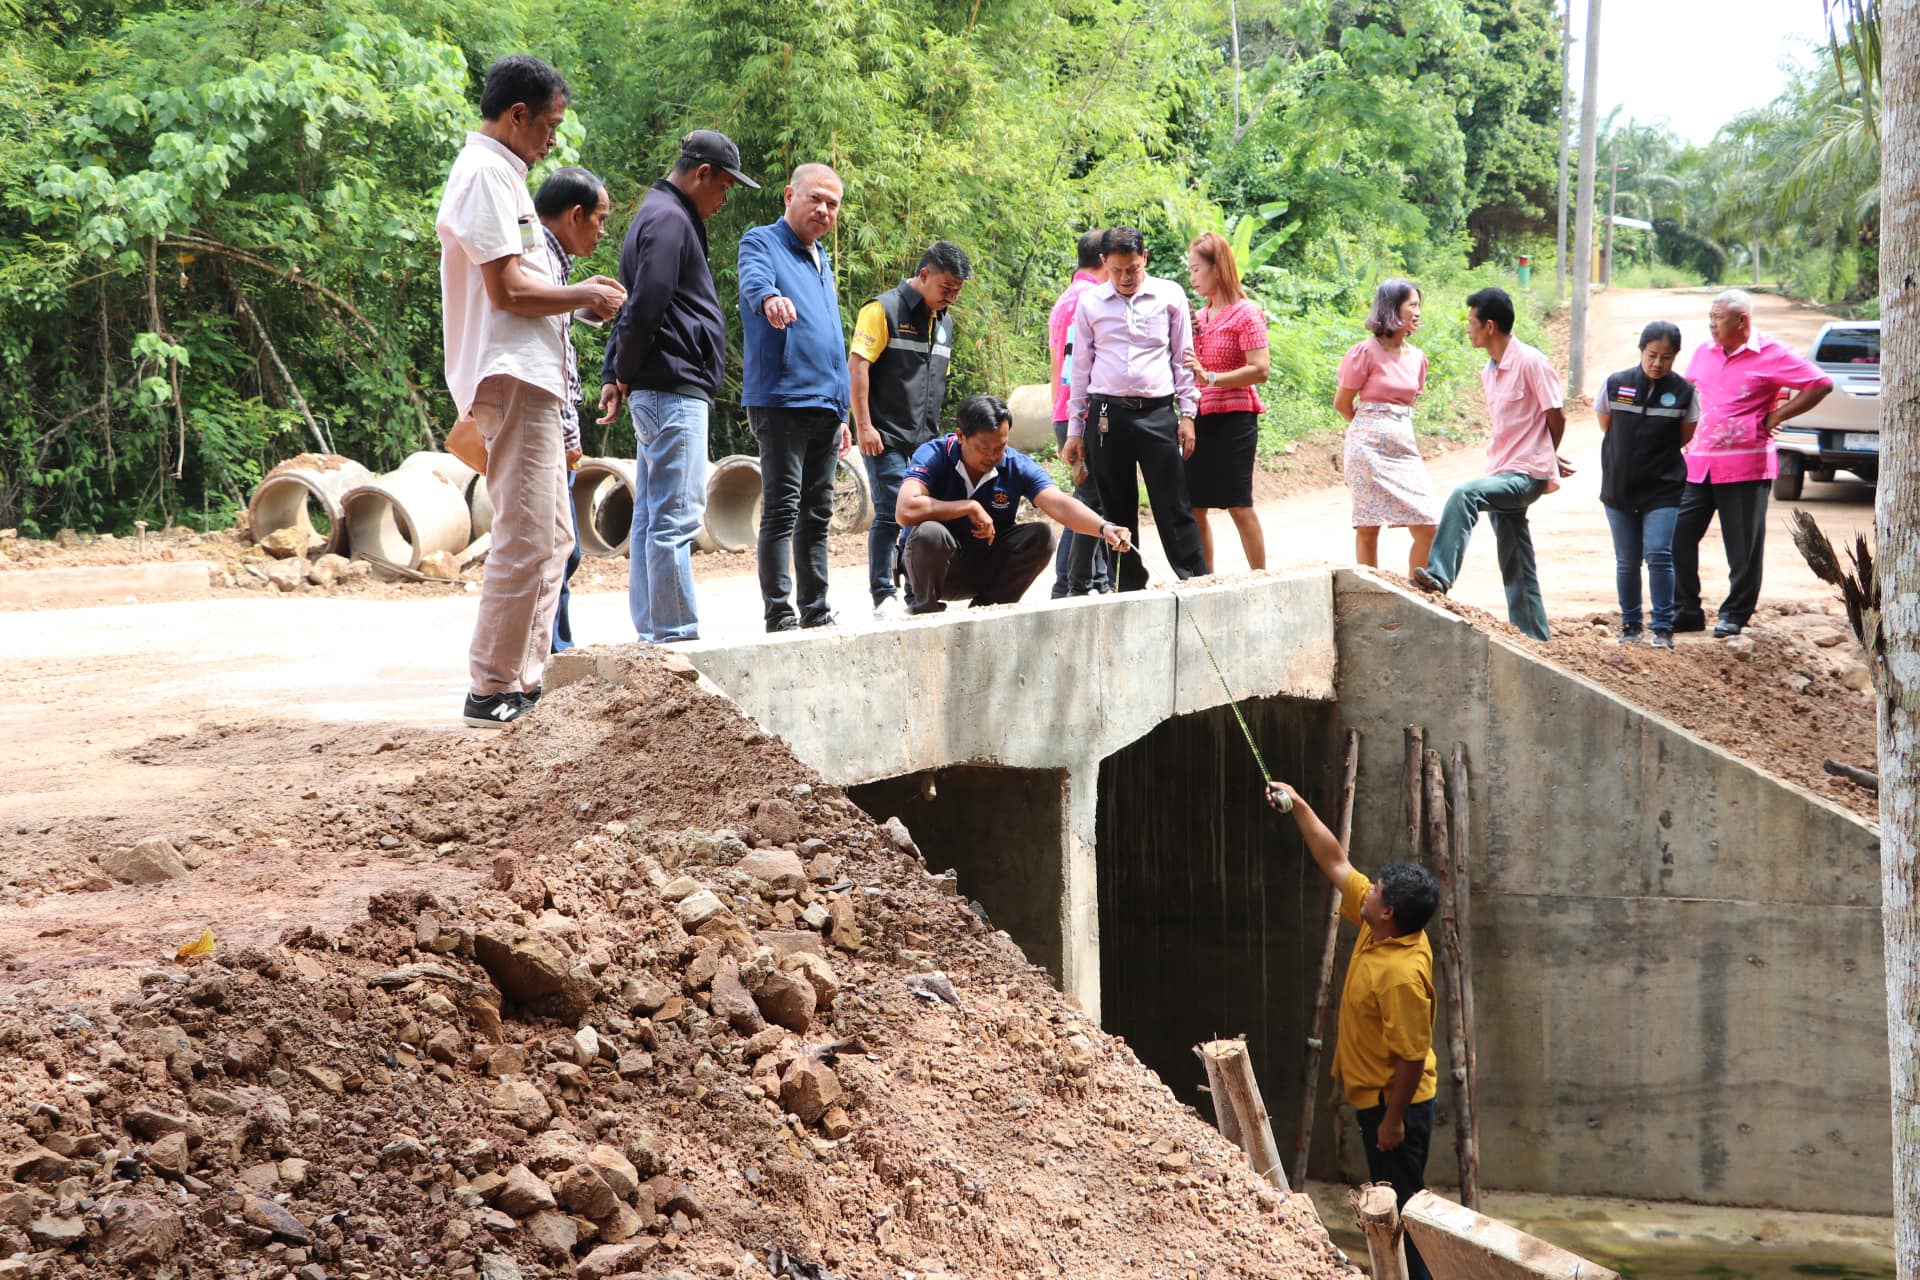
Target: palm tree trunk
(1897, 539)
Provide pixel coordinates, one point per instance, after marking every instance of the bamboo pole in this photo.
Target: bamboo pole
(1376, 1211)
(1463, 901)
(1441, 864)
(1410, 791)
(1235, 1066)
(1329, 946)
(1224, 1118)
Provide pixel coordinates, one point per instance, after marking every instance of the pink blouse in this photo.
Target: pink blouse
(1383, 376)
(1223, 341)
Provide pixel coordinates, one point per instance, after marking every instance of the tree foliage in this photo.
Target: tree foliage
(216, 242)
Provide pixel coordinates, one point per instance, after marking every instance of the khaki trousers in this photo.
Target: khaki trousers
(532, 535)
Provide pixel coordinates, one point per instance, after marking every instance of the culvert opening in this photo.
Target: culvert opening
(1003, 830)
(1211, 911)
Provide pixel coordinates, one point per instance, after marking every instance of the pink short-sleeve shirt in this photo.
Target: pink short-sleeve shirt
(1520, 389)
(1737, 392)
(1223, 341)
(1383, 376)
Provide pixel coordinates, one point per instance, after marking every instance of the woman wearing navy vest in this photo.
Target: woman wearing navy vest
(1647, 415)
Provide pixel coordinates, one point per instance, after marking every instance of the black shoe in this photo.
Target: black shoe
(1631, 635)
(1663, 639)
(533, 695)
(824, 620)
(1724, 628)
(495, 711)
(1690, 622)
(1427, 582)
(785, 622)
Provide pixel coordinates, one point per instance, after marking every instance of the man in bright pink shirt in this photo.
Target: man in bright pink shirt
(1524, 401)
(1732, 461)
(1080, 565)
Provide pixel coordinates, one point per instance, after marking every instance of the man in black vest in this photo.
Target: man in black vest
(897, 364)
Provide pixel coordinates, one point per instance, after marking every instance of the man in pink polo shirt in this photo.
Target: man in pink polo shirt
(1732, 460)
(1524, 401)
(1080, 564)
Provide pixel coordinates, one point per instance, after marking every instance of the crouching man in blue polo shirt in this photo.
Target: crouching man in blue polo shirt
(958, 539)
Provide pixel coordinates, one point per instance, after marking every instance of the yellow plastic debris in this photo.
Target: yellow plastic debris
(201, 946)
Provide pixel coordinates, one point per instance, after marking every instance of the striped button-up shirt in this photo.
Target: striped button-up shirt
(569, 403)
(1737, 390)
(1131, 346)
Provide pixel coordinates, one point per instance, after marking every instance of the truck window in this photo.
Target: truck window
(1849, 346)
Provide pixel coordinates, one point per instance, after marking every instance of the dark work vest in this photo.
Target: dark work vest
(907, 385)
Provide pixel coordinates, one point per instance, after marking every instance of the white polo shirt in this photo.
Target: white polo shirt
(487, 213)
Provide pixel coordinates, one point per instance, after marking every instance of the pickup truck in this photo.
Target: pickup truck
(1842, 432)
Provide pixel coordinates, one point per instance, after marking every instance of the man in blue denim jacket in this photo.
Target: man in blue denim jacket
(796, 392)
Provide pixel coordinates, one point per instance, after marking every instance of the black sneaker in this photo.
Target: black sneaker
(1724, 628)
(495, 711)
(785, 622)
(1631, 635)
(1663, 639)
(824, 620)
(533, 695)
(1427, 582)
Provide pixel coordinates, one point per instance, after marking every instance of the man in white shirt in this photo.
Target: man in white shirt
(505, 316)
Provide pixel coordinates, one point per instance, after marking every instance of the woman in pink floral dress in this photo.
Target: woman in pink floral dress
(1379, 379)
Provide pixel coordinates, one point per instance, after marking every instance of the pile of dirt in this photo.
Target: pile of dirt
(656, 1002)
(1789, 693)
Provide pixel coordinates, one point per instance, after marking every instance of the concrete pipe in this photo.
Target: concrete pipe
(406, 515)
(480, 507)
(305, 492)
(852, 496)
(1032, 409)
(603, 493)
(733, 503)
(455, 472)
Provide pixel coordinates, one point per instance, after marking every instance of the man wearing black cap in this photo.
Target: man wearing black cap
(666, 356)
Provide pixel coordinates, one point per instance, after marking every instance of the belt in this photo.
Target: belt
(1136, 404)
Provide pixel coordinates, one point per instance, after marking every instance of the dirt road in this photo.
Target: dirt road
(222, 714)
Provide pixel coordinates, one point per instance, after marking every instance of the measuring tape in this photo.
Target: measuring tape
(1282, 800)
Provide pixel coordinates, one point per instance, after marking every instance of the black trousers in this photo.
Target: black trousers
(1404, 1167)
(1080, 566)
(797, 461)
(1148, 441)
(1742, 508)
(940, 566)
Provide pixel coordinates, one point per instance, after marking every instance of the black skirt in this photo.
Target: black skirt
(1220, 472)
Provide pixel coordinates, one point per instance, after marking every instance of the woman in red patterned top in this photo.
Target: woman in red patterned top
(1229, 358)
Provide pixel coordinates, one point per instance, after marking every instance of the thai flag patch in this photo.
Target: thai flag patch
(1627, 392)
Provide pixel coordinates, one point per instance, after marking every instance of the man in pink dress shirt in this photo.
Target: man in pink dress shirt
(1732, 460)
(1129, 381)
(1080, 564)
(1524, 401)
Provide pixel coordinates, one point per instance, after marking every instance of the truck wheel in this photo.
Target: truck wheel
(1791, 478)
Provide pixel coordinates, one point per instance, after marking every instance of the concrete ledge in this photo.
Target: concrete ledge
(105, 584)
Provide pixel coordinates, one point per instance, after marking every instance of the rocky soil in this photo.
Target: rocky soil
(635, 995)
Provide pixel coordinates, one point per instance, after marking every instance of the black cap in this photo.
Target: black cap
(706, 146)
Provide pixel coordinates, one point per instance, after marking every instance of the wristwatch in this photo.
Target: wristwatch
(1212, 377)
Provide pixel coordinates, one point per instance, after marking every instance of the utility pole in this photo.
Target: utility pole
(1583, 215)
(1566, 100)
(1613, 199)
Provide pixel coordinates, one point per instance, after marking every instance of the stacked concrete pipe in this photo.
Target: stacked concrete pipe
(603, 496)
(733, 501)
(412, 512)
(1032, 410)
(285, 497)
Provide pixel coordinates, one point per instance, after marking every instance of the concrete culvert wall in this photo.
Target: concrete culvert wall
(306, 492)
(407, 515)
(603, 492)
(1211, 910)
(1001, 830)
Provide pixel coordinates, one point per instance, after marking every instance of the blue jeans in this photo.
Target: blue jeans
(1647, 535)
(670, 483)
(1505, 497)
(562, 625)
(884, 474)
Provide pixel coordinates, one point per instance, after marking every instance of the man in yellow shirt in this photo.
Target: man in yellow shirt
(1383, 1051)
(897, 370)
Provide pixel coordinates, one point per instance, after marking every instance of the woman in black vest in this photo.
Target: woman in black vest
(1647, 415)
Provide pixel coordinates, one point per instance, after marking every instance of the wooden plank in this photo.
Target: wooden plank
(1329, 946)
(1458, 1244)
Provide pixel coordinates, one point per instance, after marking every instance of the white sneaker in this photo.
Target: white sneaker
(889, 609)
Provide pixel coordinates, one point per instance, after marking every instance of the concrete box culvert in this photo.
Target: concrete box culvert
(405, 516)
(306, 492)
